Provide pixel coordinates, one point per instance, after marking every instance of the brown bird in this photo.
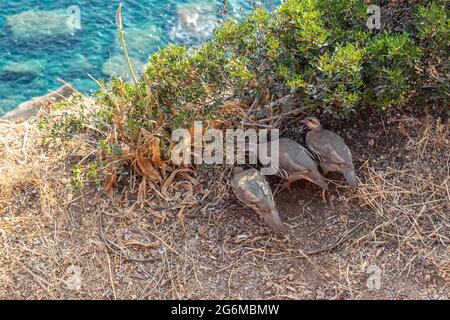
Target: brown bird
(253, 190)
(331, 150)
(297, 163)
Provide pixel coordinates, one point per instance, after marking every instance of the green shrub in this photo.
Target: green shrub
(433, 24)
(433, 30)
(319, 50)
(254, 45)
(63, 128)
(301, 26)
(340, 79)
(346, 19)
(388, 70)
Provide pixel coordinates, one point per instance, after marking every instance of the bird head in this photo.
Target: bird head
(311, 122)
(272, 219)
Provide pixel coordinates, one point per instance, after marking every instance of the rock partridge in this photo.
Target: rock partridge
(253, 190)
(331, 150)
(297, 163)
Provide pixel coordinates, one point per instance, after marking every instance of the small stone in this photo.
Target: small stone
(189, 106)
(291, 289)
(241, 237)
(307, 292)
(155, 253)
(391, 120)
(426, 263)
(320, 294)
(202, 230)
(371, 142)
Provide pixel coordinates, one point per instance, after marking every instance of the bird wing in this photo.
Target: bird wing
(329, 147)
(294, 158)
(335, 157)
(291, 164)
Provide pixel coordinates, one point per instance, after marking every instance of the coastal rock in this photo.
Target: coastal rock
(117, 66)
(140, 40)
(33, 24)
(28, 66)
(196, 21)
(31, 107)
(80, 63)
(21, 71)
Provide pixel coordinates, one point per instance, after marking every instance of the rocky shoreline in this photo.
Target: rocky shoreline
(31, 107)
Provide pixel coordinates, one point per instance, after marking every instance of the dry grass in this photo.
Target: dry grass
(47, 228)
(412, 203)
(412, 213)
(182, 238)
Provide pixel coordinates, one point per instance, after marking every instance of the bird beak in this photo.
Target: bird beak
(303, 121)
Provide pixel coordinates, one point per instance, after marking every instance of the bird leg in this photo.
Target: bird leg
(283, 185)
(292, 178)
(323, 195)
(325, 168)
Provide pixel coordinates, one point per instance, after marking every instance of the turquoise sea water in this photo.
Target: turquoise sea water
(43, 40)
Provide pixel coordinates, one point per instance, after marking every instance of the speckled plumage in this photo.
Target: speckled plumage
(253, 190)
